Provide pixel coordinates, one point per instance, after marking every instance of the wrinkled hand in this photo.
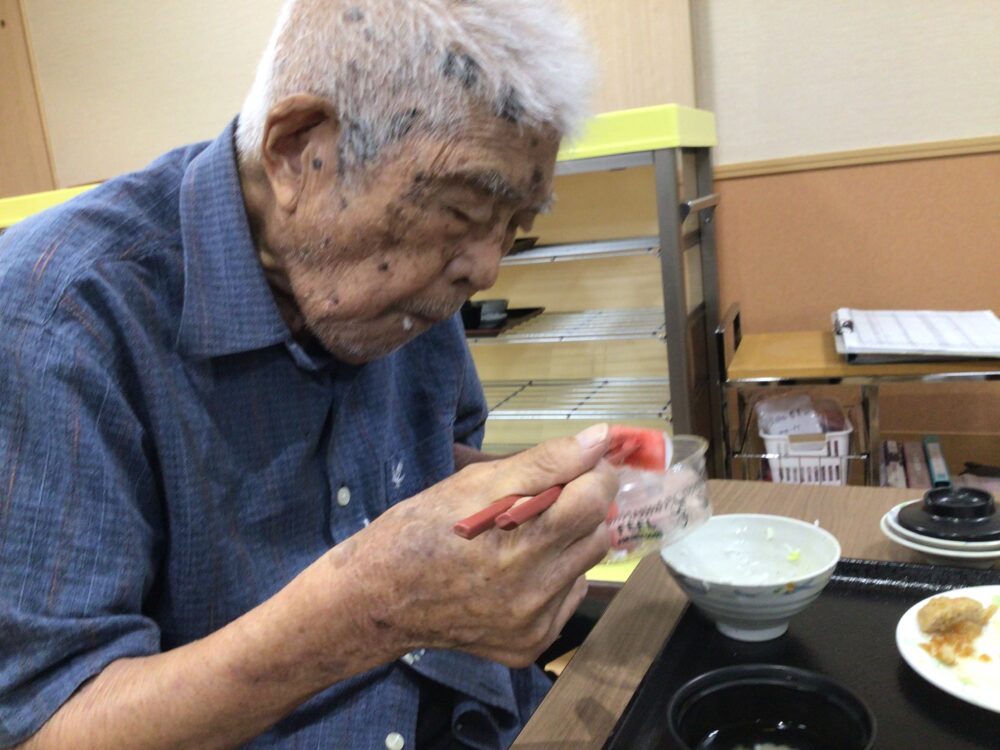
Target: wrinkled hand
(505, 595)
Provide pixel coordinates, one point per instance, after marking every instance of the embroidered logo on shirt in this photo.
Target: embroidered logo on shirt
(397, 475)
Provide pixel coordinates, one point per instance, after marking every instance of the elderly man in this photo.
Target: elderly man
(235, 396)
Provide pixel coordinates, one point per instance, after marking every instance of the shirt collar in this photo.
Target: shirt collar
(228, 305)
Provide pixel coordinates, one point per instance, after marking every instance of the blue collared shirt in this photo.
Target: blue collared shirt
(170, 457)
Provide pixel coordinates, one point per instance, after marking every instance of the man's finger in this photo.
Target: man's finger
(583, 504)
(570, 604)
(553, 462)
(581, 555)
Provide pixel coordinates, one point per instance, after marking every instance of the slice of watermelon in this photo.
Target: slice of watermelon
(639, 448)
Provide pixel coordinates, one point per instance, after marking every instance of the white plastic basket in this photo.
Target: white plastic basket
(809, 459)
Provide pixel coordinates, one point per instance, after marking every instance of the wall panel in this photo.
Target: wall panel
(916, 234)
(24, 155)
(791, 77)
(123, 81)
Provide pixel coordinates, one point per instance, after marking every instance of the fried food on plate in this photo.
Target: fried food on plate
(954, 622)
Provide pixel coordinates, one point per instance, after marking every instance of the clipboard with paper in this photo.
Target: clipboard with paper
(878, 336)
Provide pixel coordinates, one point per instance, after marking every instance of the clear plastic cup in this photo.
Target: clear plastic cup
(656, 508)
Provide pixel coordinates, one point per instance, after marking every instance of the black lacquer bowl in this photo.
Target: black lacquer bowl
(961, 514)
(755, 704)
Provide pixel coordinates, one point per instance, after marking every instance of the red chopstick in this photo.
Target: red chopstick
(477, 523)
(502, 513)
(517, 515)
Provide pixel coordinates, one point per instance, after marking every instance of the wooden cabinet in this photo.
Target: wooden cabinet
(755, 363)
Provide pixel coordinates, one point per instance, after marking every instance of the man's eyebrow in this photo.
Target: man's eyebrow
(489, 182)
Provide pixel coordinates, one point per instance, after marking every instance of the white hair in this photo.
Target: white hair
(390, 65)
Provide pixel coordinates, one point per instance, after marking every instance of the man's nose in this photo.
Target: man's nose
(478, 264)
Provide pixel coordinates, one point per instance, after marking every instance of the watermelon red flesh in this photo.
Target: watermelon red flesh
(637, 447)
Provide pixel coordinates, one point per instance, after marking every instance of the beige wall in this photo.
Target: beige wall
(24, 156)
(122, 81)
(643, 51)
(791, 77)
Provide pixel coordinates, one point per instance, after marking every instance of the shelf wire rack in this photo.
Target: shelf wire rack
(587, 325)
(616, 248)
(618, 399)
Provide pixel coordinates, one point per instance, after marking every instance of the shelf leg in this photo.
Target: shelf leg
(870, 407)
(675, 297)
(713, 313)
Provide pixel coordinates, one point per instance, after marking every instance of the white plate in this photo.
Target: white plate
(973, 681)
(984, 557)
(892, 518)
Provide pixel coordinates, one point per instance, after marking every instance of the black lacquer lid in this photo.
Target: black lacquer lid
(962, 514)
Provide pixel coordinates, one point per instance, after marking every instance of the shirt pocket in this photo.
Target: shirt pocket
(415, 468)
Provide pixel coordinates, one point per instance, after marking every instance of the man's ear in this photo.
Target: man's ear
(301, 131)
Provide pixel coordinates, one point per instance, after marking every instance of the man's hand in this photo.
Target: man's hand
(506, 594)
(404, 582)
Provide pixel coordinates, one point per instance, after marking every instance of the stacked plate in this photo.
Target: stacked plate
(956, 526)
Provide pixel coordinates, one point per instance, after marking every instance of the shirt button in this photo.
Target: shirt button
(343, 496)
(394, 741)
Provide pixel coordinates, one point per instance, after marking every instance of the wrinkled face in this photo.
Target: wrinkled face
(377, 255)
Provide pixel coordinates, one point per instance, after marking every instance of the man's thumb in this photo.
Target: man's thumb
(561, 460)
(594, 440)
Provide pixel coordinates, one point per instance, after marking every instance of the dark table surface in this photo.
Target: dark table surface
(593, 691)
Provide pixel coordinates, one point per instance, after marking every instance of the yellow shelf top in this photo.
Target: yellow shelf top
(647, 129)
(13, 210)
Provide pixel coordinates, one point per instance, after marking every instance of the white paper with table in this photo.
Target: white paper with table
(873, 336)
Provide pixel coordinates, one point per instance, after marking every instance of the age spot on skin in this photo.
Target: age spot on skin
(317, 164)
(536, 176)
(383, 267)
(357, 144)
(334, 299)
(354, 15)
(344, 204)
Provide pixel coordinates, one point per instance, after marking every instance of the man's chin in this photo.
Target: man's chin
(359, 352)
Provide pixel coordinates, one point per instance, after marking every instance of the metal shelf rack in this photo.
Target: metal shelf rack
(619, 399)
(588, 325)
(585, 251)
